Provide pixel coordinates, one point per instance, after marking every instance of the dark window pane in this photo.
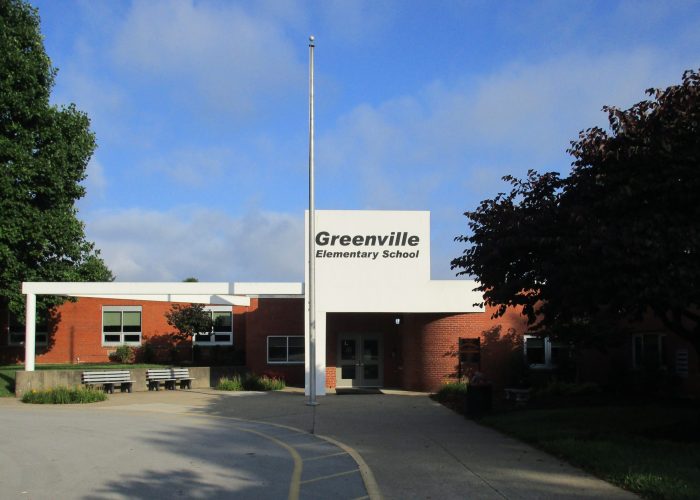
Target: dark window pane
(348, 372)
(296, 349)
(277, 349)
(560, 351)
(277, 354)
(534, 348)
(370, 350)
(347, 350)
(132, 338)
(201, 337)
(650, 351)
(469, 351)
(113, 338)
(222, 338)
(371, 372)
(222, 321)
(638, 350)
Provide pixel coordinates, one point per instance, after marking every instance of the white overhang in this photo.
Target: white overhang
(280, 289)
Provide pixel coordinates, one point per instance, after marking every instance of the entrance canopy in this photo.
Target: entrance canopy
(196, 293)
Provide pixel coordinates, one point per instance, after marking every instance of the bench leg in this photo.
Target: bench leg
(109, 388)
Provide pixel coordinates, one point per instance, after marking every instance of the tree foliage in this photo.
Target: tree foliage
(44, 152)
(618, 238)
(189, 320)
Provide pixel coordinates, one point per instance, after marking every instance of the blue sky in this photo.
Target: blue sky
(200, 110)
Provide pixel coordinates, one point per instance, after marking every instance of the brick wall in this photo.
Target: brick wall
(75, 333)
(422, 351)
(273, 316)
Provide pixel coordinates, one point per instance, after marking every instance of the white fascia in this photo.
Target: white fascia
(280, 289)
(126, 288)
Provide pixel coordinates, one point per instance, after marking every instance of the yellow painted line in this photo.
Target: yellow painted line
(295, 483)
(321, 457)
(367, 476)
(374, 493)
(330, 476)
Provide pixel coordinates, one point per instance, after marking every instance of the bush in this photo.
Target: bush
(451, 389)
(64, 395)
(230, 384)
(271, 383)
(251, 382)
(124, 354)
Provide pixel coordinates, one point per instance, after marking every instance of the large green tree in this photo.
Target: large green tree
(616, 239)
(44, 152)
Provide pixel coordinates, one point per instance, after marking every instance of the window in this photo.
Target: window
(541, 352)
(649, 351)
(17, 330)
(469, 356)
(121, 325)
(17, 338)
(222, 332)
(285, 349)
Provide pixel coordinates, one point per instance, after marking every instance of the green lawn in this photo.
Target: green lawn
(7, 372)
(653, 451)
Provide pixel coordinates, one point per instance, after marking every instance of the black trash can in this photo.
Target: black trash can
(479, 400)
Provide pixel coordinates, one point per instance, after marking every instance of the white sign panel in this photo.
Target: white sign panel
(359, 254)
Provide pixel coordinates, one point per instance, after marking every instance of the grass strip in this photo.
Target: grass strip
(652, 451)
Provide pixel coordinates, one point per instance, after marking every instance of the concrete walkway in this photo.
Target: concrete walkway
(411, 446)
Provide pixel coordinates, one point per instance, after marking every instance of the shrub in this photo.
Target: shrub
(251, 382)
(64, 395)
(452, 389)
(272, 383)
(123, 354)
(230, 384)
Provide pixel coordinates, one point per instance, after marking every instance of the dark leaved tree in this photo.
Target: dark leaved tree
(189, 320)
(44, 152)
(618, 238)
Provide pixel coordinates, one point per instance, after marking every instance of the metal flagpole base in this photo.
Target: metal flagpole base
(312, 403)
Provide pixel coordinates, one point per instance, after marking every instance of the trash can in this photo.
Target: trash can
(479, 400)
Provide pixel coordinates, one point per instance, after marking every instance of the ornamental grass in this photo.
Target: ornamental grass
(64, 395)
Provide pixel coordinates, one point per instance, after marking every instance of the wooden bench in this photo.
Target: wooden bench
(520, 396)
(108, 379)
(169, 377)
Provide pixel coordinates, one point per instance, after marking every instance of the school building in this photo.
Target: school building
(380, 320)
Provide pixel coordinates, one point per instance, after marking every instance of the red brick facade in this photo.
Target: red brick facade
(420, 353)
(266, 317)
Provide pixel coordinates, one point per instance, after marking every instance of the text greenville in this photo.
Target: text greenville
(394, 239)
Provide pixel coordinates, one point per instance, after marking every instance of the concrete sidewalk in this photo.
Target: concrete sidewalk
(414, 447)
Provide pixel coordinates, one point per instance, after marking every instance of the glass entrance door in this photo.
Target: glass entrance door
(359, 361)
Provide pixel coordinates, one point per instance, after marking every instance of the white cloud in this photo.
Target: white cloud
(218, 55)
(522, 116)
(141, 245)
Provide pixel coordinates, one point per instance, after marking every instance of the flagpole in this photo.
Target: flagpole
(311, 285)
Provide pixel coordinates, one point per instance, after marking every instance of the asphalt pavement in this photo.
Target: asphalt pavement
(210, 444)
